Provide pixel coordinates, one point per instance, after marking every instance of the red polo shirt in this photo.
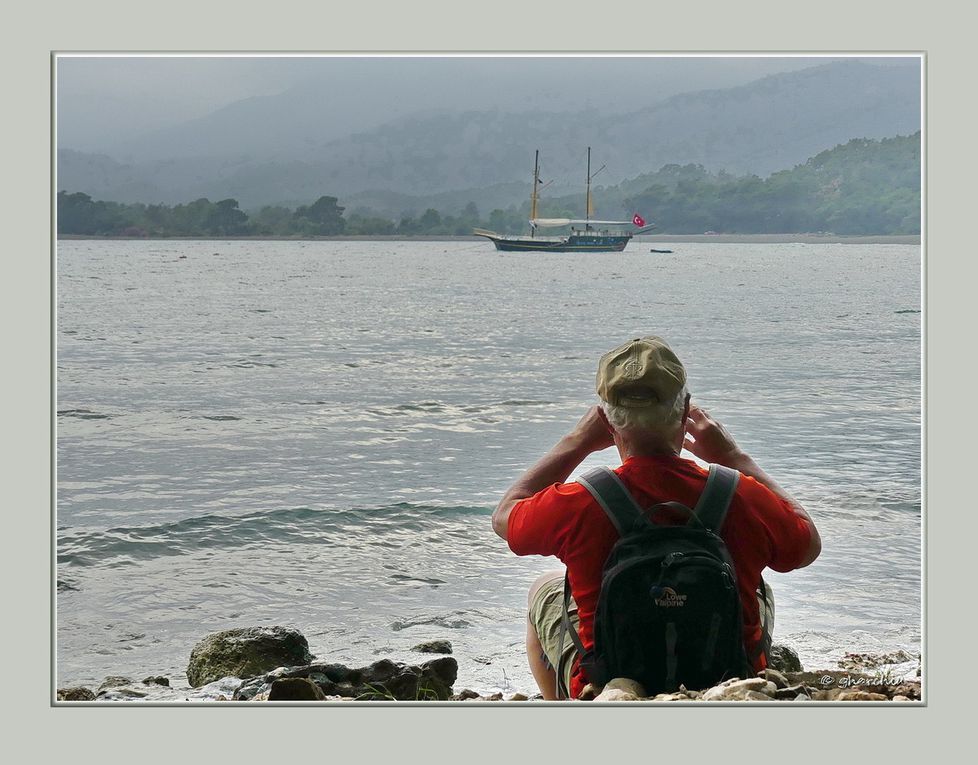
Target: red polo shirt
(761, 531)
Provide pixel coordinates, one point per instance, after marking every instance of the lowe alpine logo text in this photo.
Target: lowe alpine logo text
(667, 597)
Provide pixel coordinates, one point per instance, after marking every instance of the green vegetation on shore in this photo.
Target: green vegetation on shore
(864, 187)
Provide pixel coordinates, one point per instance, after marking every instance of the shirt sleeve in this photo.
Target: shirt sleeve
(788, 534)
(542, 524)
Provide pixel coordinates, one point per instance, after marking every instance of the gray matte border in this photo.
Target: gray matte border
(945, 33)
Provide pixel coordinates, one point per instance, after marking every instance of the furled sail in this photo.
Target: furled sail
(554, 222)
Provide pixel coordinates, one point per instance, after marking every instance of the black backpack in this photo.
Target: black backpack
(668, 612)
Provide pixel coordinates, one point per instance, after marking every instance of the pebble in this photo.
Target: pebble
(860, 696)
(774, 676)
(616, 694)
(737, 689)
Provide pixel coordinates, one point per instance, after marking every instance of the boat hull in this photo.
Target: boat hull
(607, 243)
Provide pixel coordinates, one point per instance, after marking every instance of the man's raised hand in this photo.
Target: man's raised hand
(593, 432)
(709, 440)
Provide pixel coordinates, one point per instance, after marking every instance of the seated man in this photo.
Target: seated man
(645, 412)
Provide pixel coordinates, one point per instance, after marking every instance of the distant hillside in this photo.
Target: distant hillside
(863, 187)
(758, 128)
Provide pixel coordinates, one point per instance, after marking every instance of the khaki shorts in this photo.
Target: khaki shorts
(546, 612)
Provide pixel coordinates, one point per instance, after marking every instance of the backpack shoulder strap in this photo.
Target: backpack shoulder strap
(716, 497)
(615, 499)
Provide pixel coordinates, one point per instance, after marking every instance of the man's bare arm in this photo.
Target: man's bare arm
(710, 441)
(591, 434)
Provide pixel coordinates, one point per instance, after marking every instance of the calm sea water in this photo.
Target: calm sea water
(314, 434)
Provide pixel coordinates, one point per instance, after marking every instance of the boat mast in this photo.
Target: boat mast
(587, 197)
(533, 194)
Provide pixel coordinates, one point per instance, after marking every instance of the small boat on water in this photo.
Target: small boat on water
(586, 235)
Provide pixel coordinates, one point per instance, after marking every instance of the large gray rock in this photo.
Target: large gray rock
(783, 659)
(78, 693)
(434, 646)
(295, 689)
(113, 681)
(246, 652)
(384, 680)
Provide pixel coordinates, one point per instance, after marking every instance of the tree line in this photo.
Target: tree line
(862, 187)
(79, 214)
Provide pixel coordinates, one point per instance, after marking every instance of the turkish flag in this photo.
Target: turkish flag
(638, 220)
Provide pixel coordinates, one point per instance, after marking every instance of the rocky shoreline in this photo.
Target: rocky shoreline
(274, 664)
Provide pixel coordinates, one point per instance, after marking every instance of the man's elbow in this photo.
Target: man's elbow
(500, 518)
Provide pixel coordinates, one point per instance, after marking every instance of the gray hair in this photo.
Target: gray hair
(660, 419)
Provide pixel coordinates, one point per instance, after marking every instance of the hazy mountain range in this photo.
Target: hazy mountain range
(266, 150)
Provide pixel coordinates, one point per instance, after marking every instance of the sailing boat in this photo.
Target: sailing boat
(586, 239)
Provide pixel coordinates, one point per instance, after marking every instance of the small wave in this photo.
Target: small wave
(220, 417)
(424, 406)
(83, 414)
(248, 364)
(908, 310)
(405, 578)
(125, 546)
(449, 621)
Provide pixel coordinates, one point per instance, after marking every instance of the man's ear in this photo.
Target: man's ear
(611, 428)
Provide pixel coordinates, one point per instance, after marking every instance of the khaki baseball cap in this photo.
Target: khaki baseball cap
(642, 372)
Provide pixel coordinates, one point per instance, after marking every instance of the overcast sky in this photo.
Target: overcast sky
(102, 99)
